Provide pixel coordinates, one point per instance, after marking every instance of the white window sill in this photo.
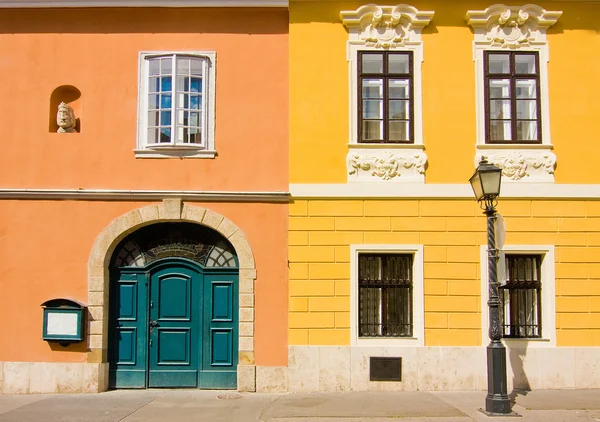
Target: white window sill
(388, 341)
(170, 151)
(520, 343)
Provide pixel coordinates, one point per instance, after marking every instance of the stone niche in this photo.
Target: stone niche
(67, 94)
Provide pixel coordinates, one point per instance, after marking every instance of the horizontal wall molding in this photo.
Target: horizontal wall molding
(442, 191)
(141, 3)
(143, 195)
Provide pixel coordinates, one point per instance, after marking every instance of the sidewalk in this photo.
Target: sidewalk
(224, 406)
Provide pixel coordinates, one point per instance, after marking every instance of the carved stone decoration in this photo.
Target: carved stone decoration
(511, 26)
(386, 165)
(519, 165)
(386, 26)
(65, 119)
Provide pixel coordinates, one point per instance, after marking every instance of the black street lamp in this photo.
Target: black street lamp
(486, 186)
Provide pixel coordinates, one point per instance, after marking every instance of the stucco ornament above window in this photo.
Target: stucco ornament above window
(385, 26)
(511, 56)
(385, 54)
(511, 26)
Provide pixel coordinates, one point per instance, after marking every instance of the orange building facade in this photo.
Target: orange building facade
(158, 203)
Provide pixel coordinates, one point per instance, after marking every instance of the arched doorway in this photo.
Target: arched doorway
(173, 314)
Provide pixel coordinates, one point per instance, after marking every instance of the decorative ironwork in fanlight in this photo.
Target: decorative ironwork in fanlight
(143, 248)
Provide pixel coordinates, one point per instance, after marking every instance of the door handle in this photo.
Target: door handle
(153, 323)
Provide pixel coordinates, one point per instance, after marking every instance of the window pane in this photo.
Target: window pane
(166, 84)
(165, 118)
(399, 131)
(527, 131)
(154, 66)
(526, 109)
(154, 85)
(500, 109)
(195, 136)
(165, 101)
(183, 66)
(500, 130)
(165, 66)
(181, 134)
(195, 119)
(196, 85)
(196, 67)
(183, 84)
(399, 88)
(152, 102)
(372, 109)
(498, 63)
(152, 135)
(372, 130)
(525, 63)
(182, 100)
(399, 109)
(153, 118)
(398, 63)
(181, 117)
(500, 88)
(526, 88)
(195, 102)
(165, 135)
(372, 63)
(372, 88)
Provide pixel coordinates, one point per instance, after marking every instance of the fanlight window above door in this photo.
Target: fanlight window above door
(171, 240)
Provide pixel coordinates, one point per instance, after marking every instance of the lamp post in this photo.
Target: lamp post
(486, 186)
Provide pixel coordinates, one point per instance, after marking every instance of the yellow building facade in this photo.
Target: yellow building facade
(391, 108)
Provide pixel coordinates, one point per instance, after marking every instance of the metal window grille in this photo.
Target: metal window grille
(385, 295)
(521, 313)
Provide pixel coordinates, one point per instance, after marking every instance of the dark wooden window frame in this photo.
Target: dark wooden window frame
(515, 292)
(386, 76)
(391, 289)
(513, 76)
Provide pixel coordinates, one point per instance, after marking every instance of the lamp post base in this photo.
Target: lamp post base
(497, 401)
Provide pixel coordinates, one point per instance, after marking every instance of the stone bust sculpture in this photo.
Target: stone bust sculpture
(65, 119)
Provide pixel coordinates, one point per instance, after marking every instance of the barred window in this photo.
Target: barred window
(521, 312)
(385, 299)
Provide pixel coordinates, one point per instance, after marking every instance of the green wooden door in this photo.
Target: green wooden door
(175, 324)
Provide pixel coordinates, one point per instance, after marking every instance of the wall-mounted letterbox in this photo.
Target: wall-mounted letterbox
(64, 321)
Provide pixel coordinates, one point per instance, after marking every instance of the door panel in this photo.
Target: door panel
(219, 361)
(175, 297)
(128, 328)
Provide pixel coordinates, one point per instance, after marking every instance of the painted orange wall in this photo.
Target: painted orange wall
(96, 50)
(44, 250)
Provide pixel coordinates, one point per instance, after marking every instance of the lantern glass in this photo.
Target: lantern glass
(486, 181)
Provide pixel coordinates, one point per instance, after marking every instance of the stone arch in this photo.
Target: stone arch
(170, 210)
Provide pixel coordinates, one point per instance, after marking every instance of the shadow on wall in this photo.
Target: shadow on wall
(64, 94)
(195, 20)
(520, 381)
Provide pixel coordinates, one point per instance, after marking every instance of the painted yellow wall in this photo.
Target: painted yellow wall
(321, 232)
(319, 85)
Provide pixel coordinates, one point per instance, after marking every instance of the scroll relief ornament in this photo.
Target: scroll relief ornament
(513, 26)
(516, 165)
(388, 166)
(386, 26)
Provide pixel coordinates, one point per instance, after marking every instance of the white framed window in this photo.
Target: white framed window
(386, 296)
(385, 55)
(527, 294)
(176, 106)
(511, 55)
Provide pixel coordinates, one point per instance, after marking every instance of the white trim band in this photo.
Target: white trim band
(443, 191)
(144, 195)
(14, 4)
